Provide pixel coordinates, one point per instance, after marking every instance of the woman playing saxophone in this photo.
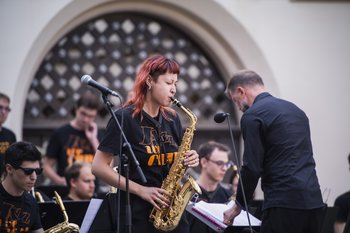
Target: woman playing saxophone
(154, 132)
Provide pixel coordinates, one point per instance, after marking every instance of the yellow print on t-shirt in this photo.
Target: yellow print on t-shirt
(151, 143)
(14, 216)
(3, 147)
(79, 149)
(76, 154)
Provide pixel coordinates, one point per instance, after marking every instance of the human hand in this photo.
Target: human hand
(191, 159)
(231, 213)
(91, 132)
(156, 196)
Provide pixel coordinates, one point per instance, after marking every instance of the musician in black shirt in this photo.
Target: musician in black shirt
(277, 148)
(19, 209)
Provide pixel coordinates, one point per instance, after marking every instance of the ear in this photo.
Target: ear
(149, 81)
(240, 90)
(203, 161)
(9, 169)
(73, 182)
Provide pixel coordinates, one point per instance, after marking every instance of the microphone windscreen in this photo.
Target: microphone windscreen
(85, 79)
(220, 117)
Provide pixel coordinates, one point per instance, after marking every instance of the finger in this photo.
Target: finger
(194, 163)
(228, 221)
(155, 205)
(163, 200)
(164, 193)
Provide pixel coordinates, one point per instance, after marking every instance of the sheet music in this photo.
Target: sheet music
(215, 212)
(91, 212)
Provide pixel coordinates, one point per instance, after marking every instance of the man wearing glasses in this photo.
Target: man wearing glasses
(19, 210)
(7, 137)
(214, 162)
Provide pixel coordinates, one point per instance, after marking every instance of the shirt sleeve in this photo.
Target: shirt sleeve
(344, 210)
(253, 156)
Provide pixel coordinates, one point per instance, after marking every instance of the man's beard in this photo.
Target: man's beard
(245, 107)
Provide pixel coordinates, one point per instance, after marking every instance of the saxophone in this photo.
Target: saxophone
(65, 226)
(168, 218)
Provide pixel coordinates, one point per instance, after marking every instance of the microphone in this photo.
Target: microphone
(86, 79)
(220, 117)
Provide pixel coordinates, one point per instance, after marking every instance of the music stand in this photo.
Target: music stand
(49, 190)
(100, 216)
(216, 226)
(51, 214)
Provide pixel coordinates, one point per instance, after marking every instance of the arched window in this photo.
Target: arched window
(110, 48)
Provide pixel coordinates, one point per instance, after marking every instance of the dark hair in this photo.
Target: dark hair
(205, 149)
(153, 67)
(349, 158)
(88, 100)
(244, 78)
(73, 171)
(19, 152)
(4, 96)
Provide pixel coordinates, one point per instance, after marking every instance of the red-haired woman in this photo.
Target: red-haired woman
(154, 132)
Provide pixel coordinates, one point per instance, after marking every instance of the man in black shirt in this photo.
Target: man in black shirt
(18, 209)
(7, 137)
(277, 148)
(214, 163)
(76, 141)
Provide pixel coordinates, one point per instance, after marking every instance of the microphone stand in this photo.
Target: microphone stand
(239, 172)
(124, 159)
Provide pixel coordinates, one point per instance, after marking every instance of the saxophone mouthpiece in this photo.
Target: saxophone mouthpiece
(176, 102)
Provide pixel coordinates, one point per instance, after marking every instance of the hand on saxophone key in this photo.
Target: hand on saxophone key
(191, 159)
(156, 196)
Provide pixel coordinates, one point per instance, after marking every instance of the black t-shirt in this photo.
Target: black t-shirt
(219, 195)
(153, 141)
(68, 145)
(18, 214)
(343, 203)
(7, 137)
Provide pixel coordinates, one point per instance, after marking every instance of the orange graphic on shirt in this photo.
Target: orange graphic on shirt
(149, 140)
(79, 149)
(3, 147)
(14, 216)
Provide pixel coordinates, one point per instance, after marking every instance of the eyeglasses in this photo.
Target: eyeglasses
(29, 171)
(221, 163)
(5, 109)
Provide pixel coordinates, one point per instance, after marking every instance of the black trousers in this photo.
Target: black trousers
(283, 220)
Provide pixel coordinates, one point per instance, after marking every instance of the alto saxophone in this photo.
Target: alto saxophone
(65, 226)
(168, 218)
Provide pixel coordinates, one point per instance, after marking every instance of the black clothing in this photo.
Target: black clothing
(219, 195)
(287, 220)
(7, 137)
(155, 144)
(277, 148)
(68, 145)
(18, 214)
(343, 203)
